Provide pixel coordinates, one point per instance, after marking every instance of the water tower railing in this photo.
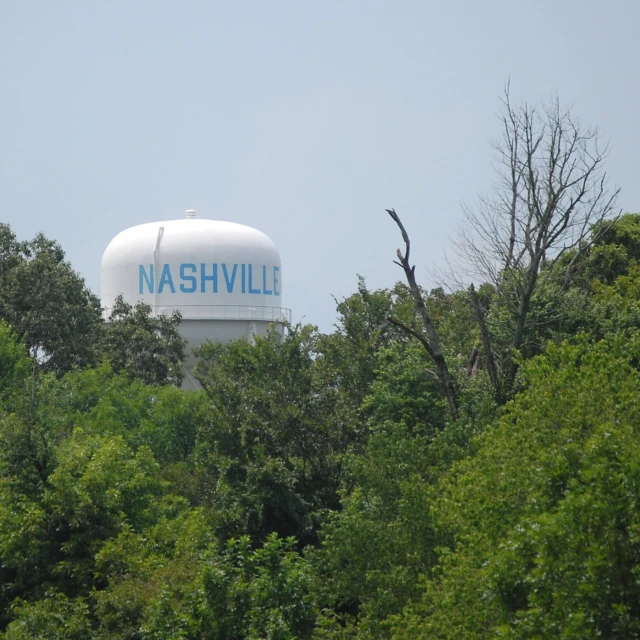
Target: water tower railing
(222, 312)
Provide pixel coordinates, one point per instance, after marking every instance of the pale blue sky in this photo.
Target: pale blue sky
(303, 119)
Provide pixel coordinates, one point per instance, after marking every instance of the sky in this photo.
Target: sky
(303, 119)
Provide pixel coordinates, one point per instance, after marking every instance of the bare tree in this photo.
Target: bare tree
(550, 192)
(429, 339)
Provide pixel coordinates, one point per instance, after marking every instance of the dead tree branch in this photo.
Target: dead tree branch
(431, 342)
(551, 193)
(413, 333)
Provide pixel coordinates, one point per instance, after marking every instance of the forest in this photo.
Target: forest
(462, 462)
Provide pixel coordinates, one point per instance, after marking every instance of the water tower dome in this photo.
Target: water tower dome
(224, 278)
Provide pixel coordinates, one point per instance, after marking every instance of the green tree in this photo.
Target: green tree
(153, 580)
(47, 303)
(267, 458)
(374, 550)
(102, 401)
(55, 617)
(15, 369)
(146, 346)
(50, 535)
(258, 593)
(286, 413)
(542, 522)
(601, 299)
(171, 581)
(624, 233)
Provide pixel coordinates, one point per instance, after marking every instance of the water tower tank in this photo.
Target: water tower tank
(224, 278)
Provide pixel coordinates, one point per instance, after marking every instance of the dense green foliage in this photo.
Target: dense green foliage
(317, 486)
(59, 319)
(46, 302)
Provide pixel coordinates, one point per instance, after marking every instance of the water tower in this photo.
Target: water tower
(224, 278)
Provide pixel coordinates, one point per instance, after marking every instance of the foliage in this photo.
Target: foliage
(543, 519)
(55, 617)
(317, 487)
(145, 346)
(624, 233)
(261, 593)
(173, 582)
(376, 548)
(102, 401)
(50, 535)
(47, 303)
(271, 457)
(15, 367)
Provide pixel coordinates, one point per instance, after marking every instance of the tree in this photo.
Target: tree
(550, 196)
(97, 487)
(47, 303)
(152, 581)
(15, 368)
(600, 300)
(286, 414)
(270, 457)
(145, 346)
(542, 522)
(348, 354)
(55, 617)
(171, 581)
(430, 339)
(101, 402)
(258, 593)
(377, 546)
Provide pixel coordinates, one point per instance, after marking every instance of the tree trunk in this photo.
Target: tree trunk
(431, 343)
(492, 369)
(521, 321)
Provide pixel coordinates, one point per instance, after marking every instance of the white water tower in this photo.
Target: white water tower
(224, 278)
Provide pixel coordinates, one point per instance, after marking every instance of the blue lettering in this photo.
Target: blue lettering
(185, 278)
(143, 277)
(275, 281)
(267, 292)
(229, 281)
(204, 277)
(251, 289)
(166, 279)
(248, 276)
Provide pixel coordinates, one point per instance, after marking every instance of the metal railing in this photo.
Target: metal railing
(221, 312)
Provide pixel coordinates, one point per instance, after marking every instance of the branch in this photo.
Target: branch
(486, 339)
(405, 236)
(412, 332)
(431, 343)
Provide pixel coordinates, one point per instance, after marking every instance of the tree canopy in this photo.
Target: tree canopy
(369, 482)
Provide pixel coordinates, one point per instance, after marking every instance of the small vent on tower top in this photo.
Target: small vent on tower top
(190, 213)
